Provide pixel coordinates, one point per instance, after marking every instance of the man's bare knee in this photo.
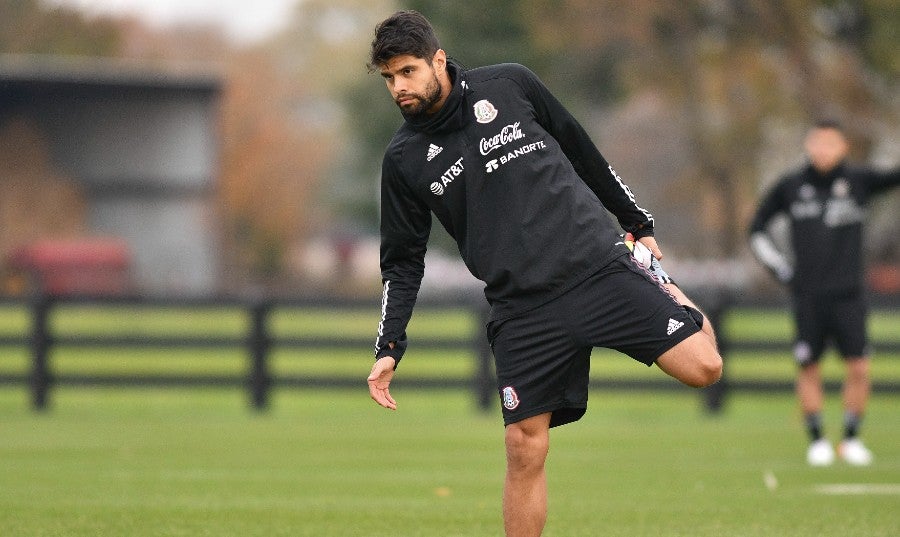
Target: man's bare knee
(695, 361)
(710, 369)
(527, 443)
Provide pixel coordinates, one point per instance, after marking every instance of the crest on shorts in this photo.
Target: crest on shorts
(840, 188)
(802, 352)
(510, 398)
(485, 111)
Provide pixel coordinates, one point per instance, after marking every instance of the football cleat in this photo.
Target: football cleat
(646, 259)
(820, 453)
(854, 452)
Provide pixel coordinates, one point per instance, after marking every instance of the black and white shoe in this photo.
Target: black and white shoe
(646, 259)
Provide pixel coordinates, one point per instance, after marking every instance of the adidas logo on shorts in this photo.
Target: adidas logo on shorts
(673, 326)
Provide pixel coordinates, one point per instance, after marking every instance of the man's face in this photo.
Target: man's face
(826, 148)
(413, 84)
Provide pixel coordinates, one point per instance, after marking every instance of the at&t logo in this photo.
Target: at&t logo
(454, 171)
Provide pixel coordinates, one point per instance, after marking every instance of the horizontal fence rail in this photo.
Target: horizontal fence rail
(258, 341)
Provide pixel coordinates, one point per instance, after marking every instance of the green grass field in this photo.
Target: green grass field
(109, 462)
(179, 462)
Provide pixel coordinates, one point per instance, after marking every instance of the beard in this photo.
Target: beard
(423, 101)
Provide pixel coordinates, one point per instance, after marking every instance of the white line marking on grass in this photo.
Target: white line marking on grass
(856, 489)
(770, 480)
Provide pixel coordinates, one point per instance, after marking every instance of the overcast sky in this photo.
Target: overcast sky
(244, 20)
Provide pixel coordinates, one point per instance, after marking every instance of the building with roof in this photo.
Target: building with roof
(98, 148)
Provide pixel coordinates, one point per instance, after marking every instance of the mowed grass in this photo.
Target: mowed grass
(109, 462)
(321, 462)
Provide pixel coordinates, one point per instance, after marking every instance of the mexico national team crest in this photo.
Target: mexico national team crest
(485, 111)
(840, 188)
(510, 398)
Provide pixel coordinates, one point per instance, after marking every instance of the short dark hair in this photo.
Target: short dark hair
(404, 32)
(828, 123)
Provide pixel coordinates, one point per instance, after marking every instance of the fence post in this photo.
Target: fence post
(485, 391)
(259, 342)
(714, 396)
(40, 349)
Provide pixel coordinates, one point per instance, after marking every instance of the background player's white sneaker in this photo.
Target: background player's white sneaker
(854, 452)
(820, 453)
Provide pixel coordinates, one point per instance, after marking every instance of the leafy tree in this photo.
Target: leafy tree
(28, 27)
(481, 33)
(731, 75)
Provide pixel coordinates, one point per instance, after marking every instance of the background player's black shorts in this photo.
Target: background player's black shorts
(543, 356)
(821, 319)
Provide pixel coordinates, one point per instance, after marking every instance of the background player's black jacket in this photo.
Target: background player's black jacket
(826, 215)
(515, 180)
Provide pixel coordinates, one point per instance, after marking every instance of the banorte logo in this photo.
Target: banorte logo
(509, 134)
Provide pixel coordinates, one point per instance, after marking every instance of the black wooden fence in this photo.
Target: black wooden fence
(259, 343)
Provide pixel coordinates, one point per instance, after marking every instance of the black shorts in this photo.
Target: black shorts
(543, 356)
(824, 319)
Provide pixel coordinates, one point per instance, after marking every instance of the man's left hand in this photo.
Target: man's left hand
(650, 242)
(380, 379)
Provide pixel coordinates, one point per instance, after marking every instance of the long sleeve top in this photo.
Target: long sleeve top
(827, 213)
(515, 180)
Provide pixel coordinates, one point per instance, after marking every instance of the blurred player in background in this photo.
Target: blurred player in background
(519, 185)
(825, 202)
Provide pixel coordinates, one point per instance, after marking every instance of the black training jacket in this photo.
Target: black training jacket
(515, 180)
(826, 214)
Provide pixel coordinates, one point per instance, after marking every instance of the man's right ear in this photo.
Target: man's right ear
(439, 60)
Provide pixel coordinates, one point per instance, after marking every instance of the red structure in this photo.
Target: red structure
(75, 267)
